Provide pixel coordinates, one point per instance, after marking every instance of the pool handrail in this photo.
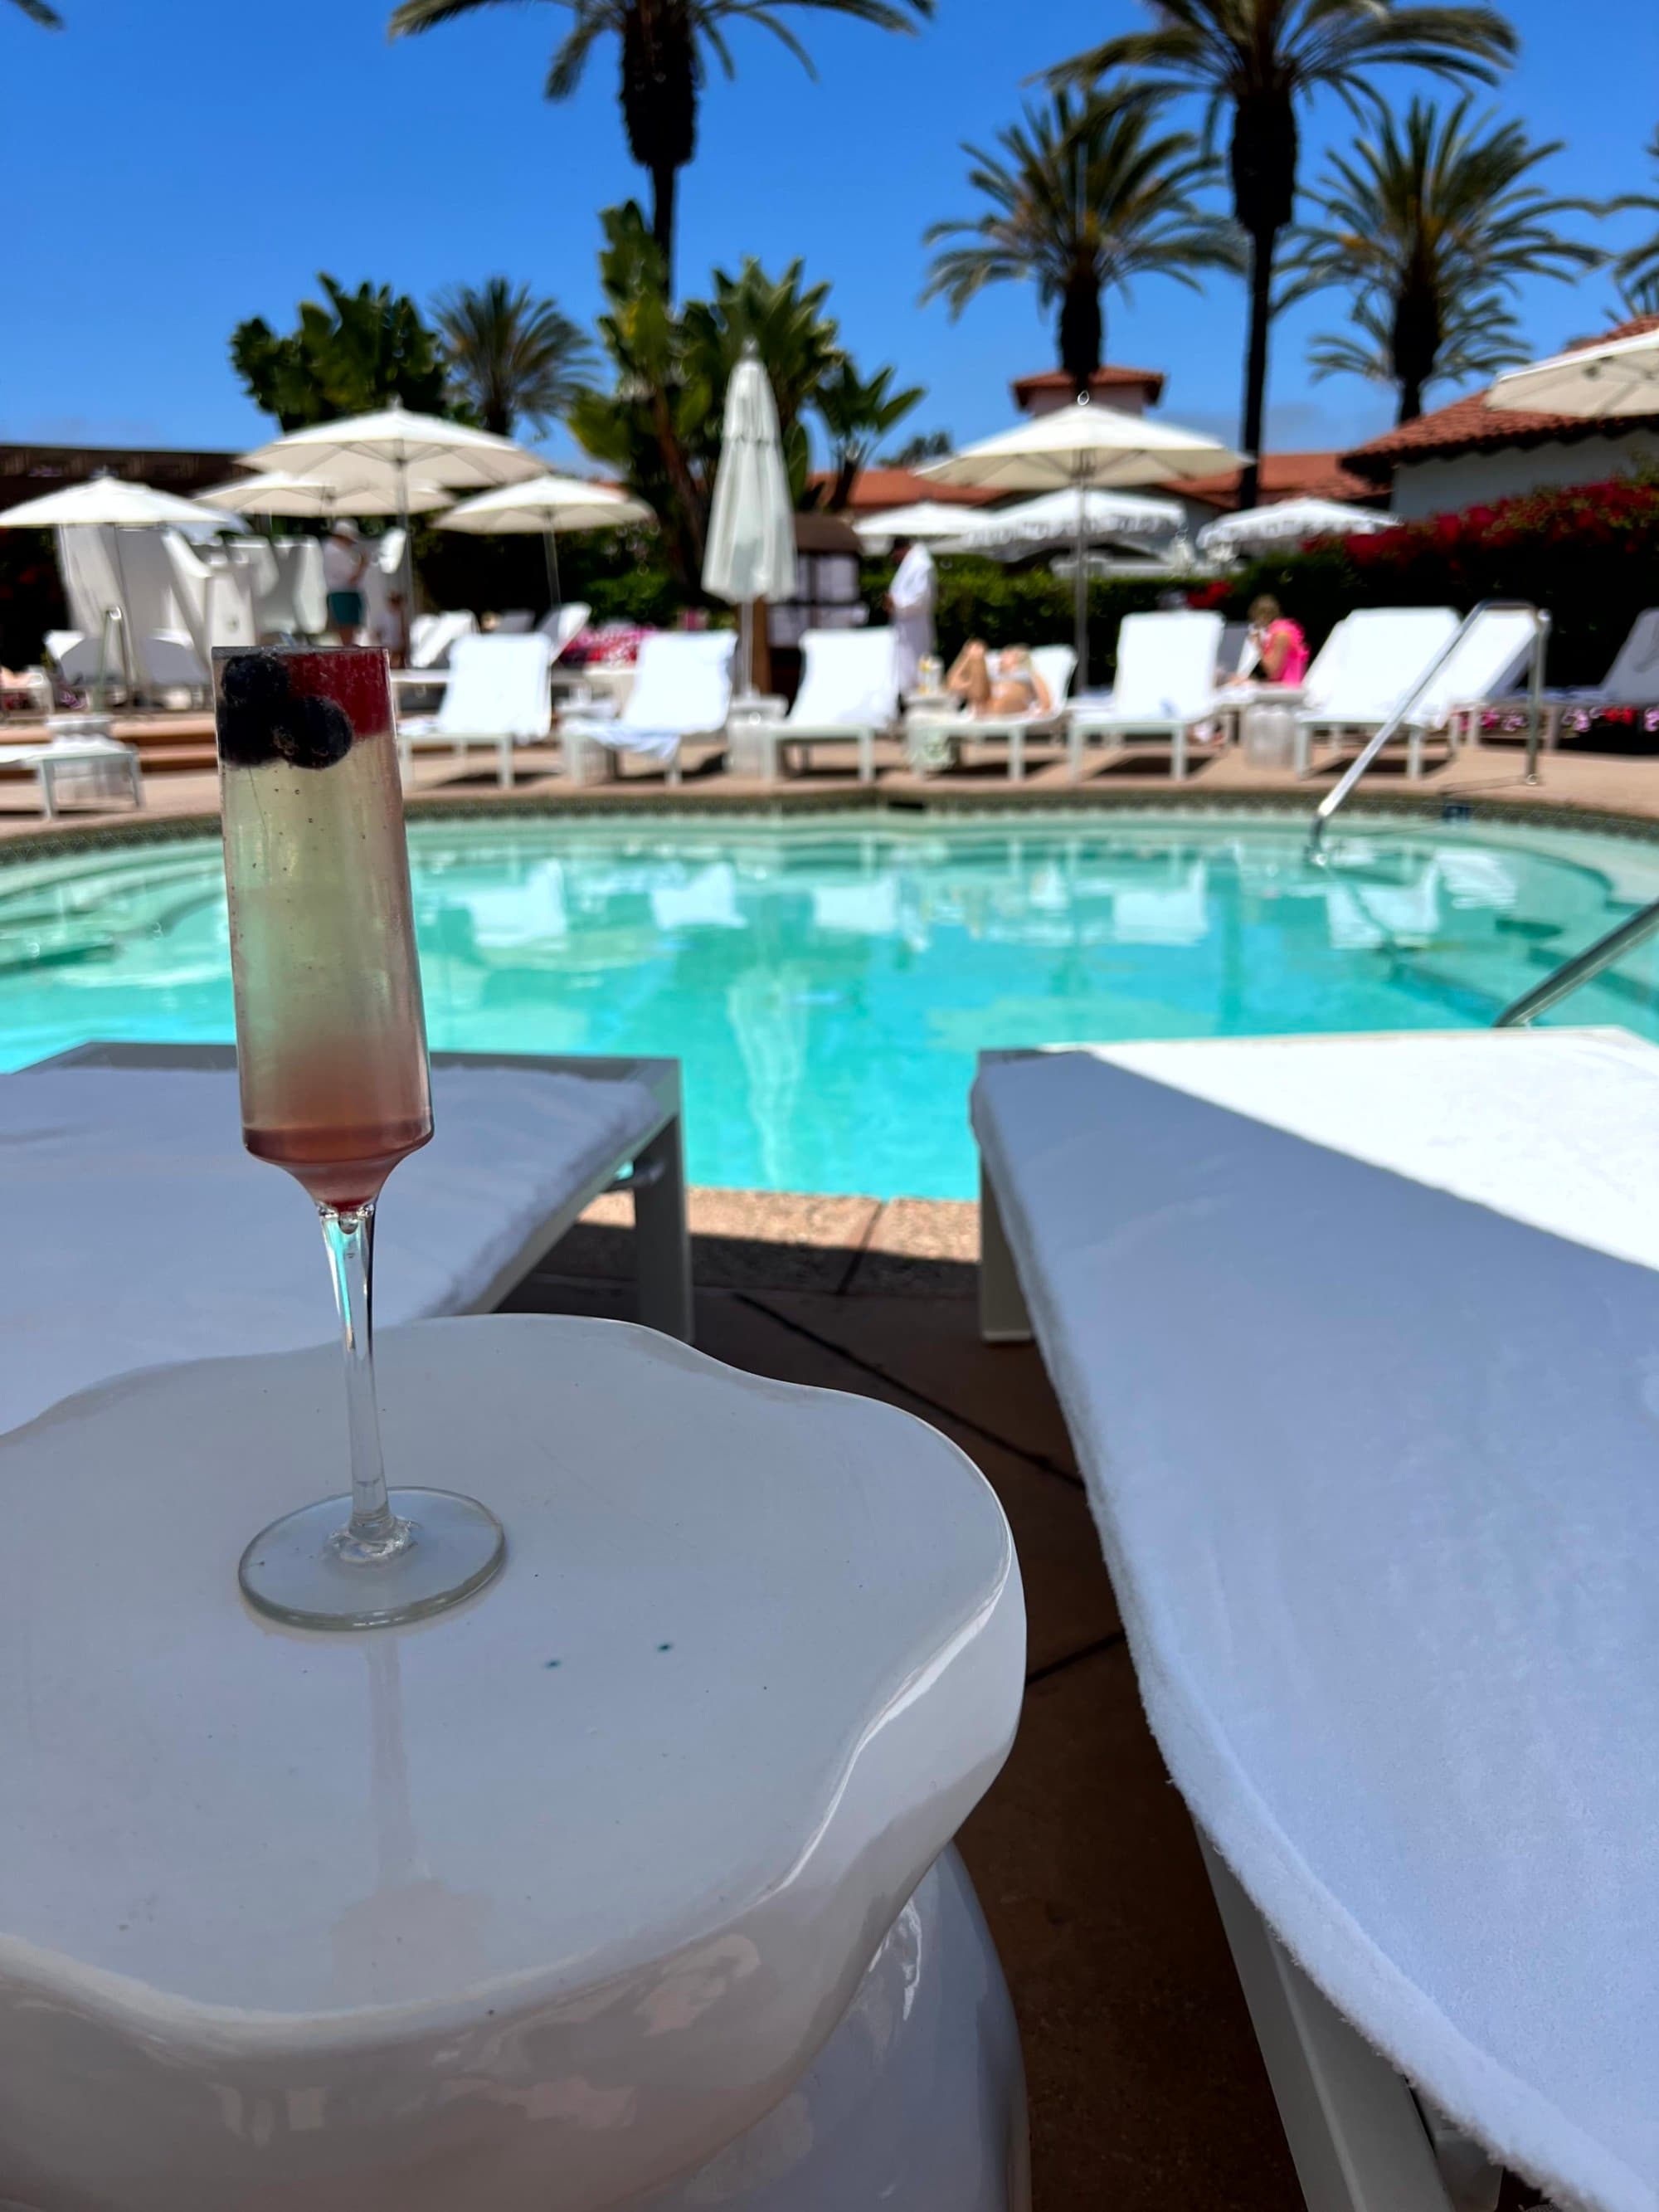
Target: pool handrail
(1540, 618)
(1555, 987)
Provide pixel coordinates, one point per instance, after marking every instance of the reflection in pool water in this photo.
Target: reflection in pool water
(827, 985)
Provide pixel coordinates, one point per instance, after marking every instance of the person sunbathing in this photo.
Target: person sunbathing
(998, 684)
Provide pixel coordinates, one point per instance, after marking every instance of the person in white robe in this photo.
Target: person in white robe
(910, 602)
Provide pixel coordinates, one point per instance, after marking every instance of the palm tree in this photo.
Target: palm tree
(1084, 197)
(1637, 272)
(38, 12)
(664, 48)
(857, 412)
(1428, 227)
(512, 358)
(1259, 59)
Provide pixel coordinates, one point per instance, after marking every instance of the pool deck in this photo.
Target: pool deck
(1146, 2090)
(1583, 783)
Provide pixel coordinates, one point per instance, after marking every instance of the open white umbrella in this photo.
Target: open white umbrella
(110, 502)
(1619, 377)
(417, 449)
(751, 553)
(274, 491)
(547, 504)
(1084, 447)
(928, 521)
(1051, 518)
(1290, 519)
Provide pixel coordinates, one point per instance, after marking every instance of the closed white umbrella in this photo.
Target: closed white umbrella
(547, 504)
(751, 527)
(274, 491)
(1084, 447)
(1619, 377)
(417, 449)
(1290, 519)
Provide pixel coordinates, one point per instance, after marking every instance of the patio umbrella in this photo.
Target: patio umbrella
(751, 527)
(1084, 447)
(417, 449)
(547, 504)
(1290, 519)
(1620, 377)
(1051, 518)
(274, 491)
(927, 521)
(106, 502)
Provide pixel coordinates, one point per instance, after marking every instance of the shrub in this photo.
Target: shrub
(31, 595)
(1030, 607)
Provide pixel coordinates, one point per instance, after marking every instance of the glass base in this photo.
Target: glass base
(297, 1571)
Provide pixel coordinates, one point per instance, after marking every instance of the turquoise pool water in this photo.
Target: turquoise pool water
(827, 985)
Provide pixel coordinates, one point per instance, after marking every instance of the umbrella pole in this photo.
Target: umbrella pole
(408, 561)
(550, 546)
(1080, 595)
(746, 618)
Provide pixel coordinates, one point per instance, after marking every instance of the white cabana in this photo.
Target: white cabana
(751, 525)
(1013, 533)
(166, 604)
(1620, 377)
(928, 521)
(1289, 519)
(545, 505)
(1084, 447)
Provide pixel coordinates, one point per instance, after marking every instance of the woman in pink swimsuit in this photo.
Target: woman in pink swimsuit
(1282, 650)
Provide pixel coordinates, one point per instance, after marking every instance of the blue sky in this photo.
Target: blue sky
(170, 168)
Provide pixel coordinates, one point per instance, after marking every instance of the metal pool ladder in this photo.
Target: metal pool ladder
(1338, 795)
(1580, 967)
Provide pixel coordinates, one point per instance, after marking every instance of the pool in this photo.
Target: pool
(827, 983)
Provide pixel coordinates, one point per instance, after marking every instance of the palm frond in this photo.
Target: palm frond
(38, 12)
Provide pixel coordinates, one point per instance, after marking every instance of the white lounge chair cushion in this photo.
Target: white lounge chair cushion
(1371, 1442)
(498, 687)
(139, 1231)
(1166, 670)
(682, 688)
(849, 678)
(1384, 652)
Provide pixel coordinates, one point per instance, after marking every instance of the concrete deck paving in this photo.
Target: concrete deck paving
(1146, 2091)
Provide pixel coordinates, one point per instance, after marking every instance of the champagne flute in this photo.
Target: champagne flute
(330, 1049)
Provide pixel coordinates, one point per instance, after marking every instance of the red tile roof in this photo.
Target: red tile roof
(1287, 476)
(875, 489)
(1471, 425)
(1107, 377)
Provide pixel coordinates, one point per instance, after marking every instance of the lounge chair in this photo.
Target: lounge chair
(139, 1233)
(932, 739)
(497, 695)
(1383, 1608)
(91, 754)
(432, 638)
(1383, 655)
(849, 695)
(682, 688)
(1631, 681)
(1165, 688)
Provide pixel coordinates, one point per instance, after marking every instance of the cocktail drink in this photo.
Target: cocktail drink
(330, 1048)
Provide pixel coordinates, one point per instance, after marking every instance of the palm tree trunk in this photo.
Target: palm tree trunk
(1410, 402)
(1262, 244)
(664, 178)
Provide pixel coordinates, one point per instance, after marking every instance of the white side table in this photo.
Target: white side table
(931, 734)
(544, 1904)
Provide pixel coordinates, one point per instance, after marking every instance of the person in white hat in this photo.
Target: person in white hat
(345, 563)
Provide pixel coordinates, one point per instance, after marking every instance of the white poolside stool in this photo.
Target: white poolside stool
(627, 1882)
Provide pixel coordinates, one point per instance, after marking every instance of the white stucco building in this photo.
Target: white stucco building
(1470, 455)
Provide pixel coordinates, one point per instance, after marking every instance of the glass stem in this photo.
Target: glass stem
(375, 1531)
